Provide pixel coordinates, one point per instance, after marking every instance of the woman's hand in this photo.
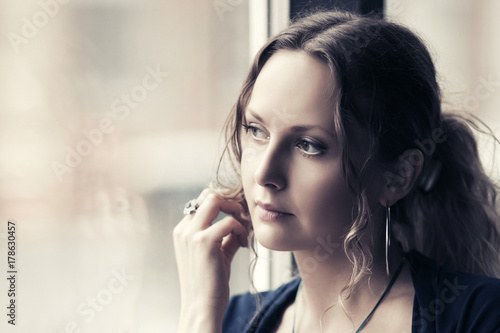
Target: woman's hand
(204, 252)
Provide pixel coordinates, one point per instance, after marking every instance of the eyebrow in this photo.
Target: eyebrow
(297, 128)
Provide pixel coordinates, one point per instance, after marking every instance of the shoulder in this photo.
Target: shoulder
(243, 308)
(451, 301)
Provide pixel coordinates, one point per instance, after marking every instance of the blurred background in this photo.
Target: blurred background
(110, 120)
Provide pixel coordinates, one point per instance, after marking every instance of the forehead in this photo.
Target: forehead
(293, 83)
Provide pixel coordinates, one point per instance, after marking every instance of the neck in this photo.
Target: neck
(324, 277)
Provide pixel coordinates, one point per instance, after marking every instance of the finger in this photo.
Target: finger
(211, 208)
(226, 226)
(199, 200)
(203, 195)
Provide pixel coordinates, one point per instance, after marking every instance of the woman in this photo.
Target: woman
(339, 139)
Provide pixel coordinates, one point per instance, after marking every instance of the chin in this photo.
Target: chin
(272, 238)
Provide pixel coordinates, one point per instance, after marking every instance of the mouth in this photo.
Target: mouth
(268, 212)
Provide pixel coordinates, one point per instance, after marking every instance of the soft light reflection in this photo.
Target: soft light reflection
(110, 116)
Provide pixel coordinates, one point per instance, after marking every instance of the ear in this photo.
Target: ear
(400, 179)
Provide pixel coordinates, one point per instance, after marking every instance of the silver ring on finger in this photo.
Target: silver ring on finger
(191, 207)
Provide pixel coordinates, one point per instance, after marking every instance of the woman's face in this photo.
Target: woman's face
(291, 161)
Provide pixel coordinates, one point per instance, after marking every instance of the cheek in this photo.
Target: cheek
(248, 155)
(324, 196)
(247, 167)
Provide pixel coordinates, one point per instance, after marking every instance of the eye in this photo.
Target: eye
(309, 148)
(257, 133)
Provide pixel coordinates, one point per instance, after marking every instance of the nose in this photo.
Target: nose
(271, 168)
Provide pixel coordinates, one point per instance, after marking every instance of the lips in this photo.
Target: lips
(270, 212)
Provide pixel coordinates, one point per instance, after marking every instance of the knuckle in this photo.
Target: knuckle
(211, 198)
(181, 230)
(206, 192)
(177, 231)
(229, 220)
(200, 238)
(179, 237)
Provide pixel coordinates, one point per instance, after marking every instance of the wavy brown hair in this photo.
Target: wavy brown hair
(386, 82)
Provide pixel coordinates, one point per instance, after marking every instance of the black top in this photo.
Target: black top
(445, 301)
